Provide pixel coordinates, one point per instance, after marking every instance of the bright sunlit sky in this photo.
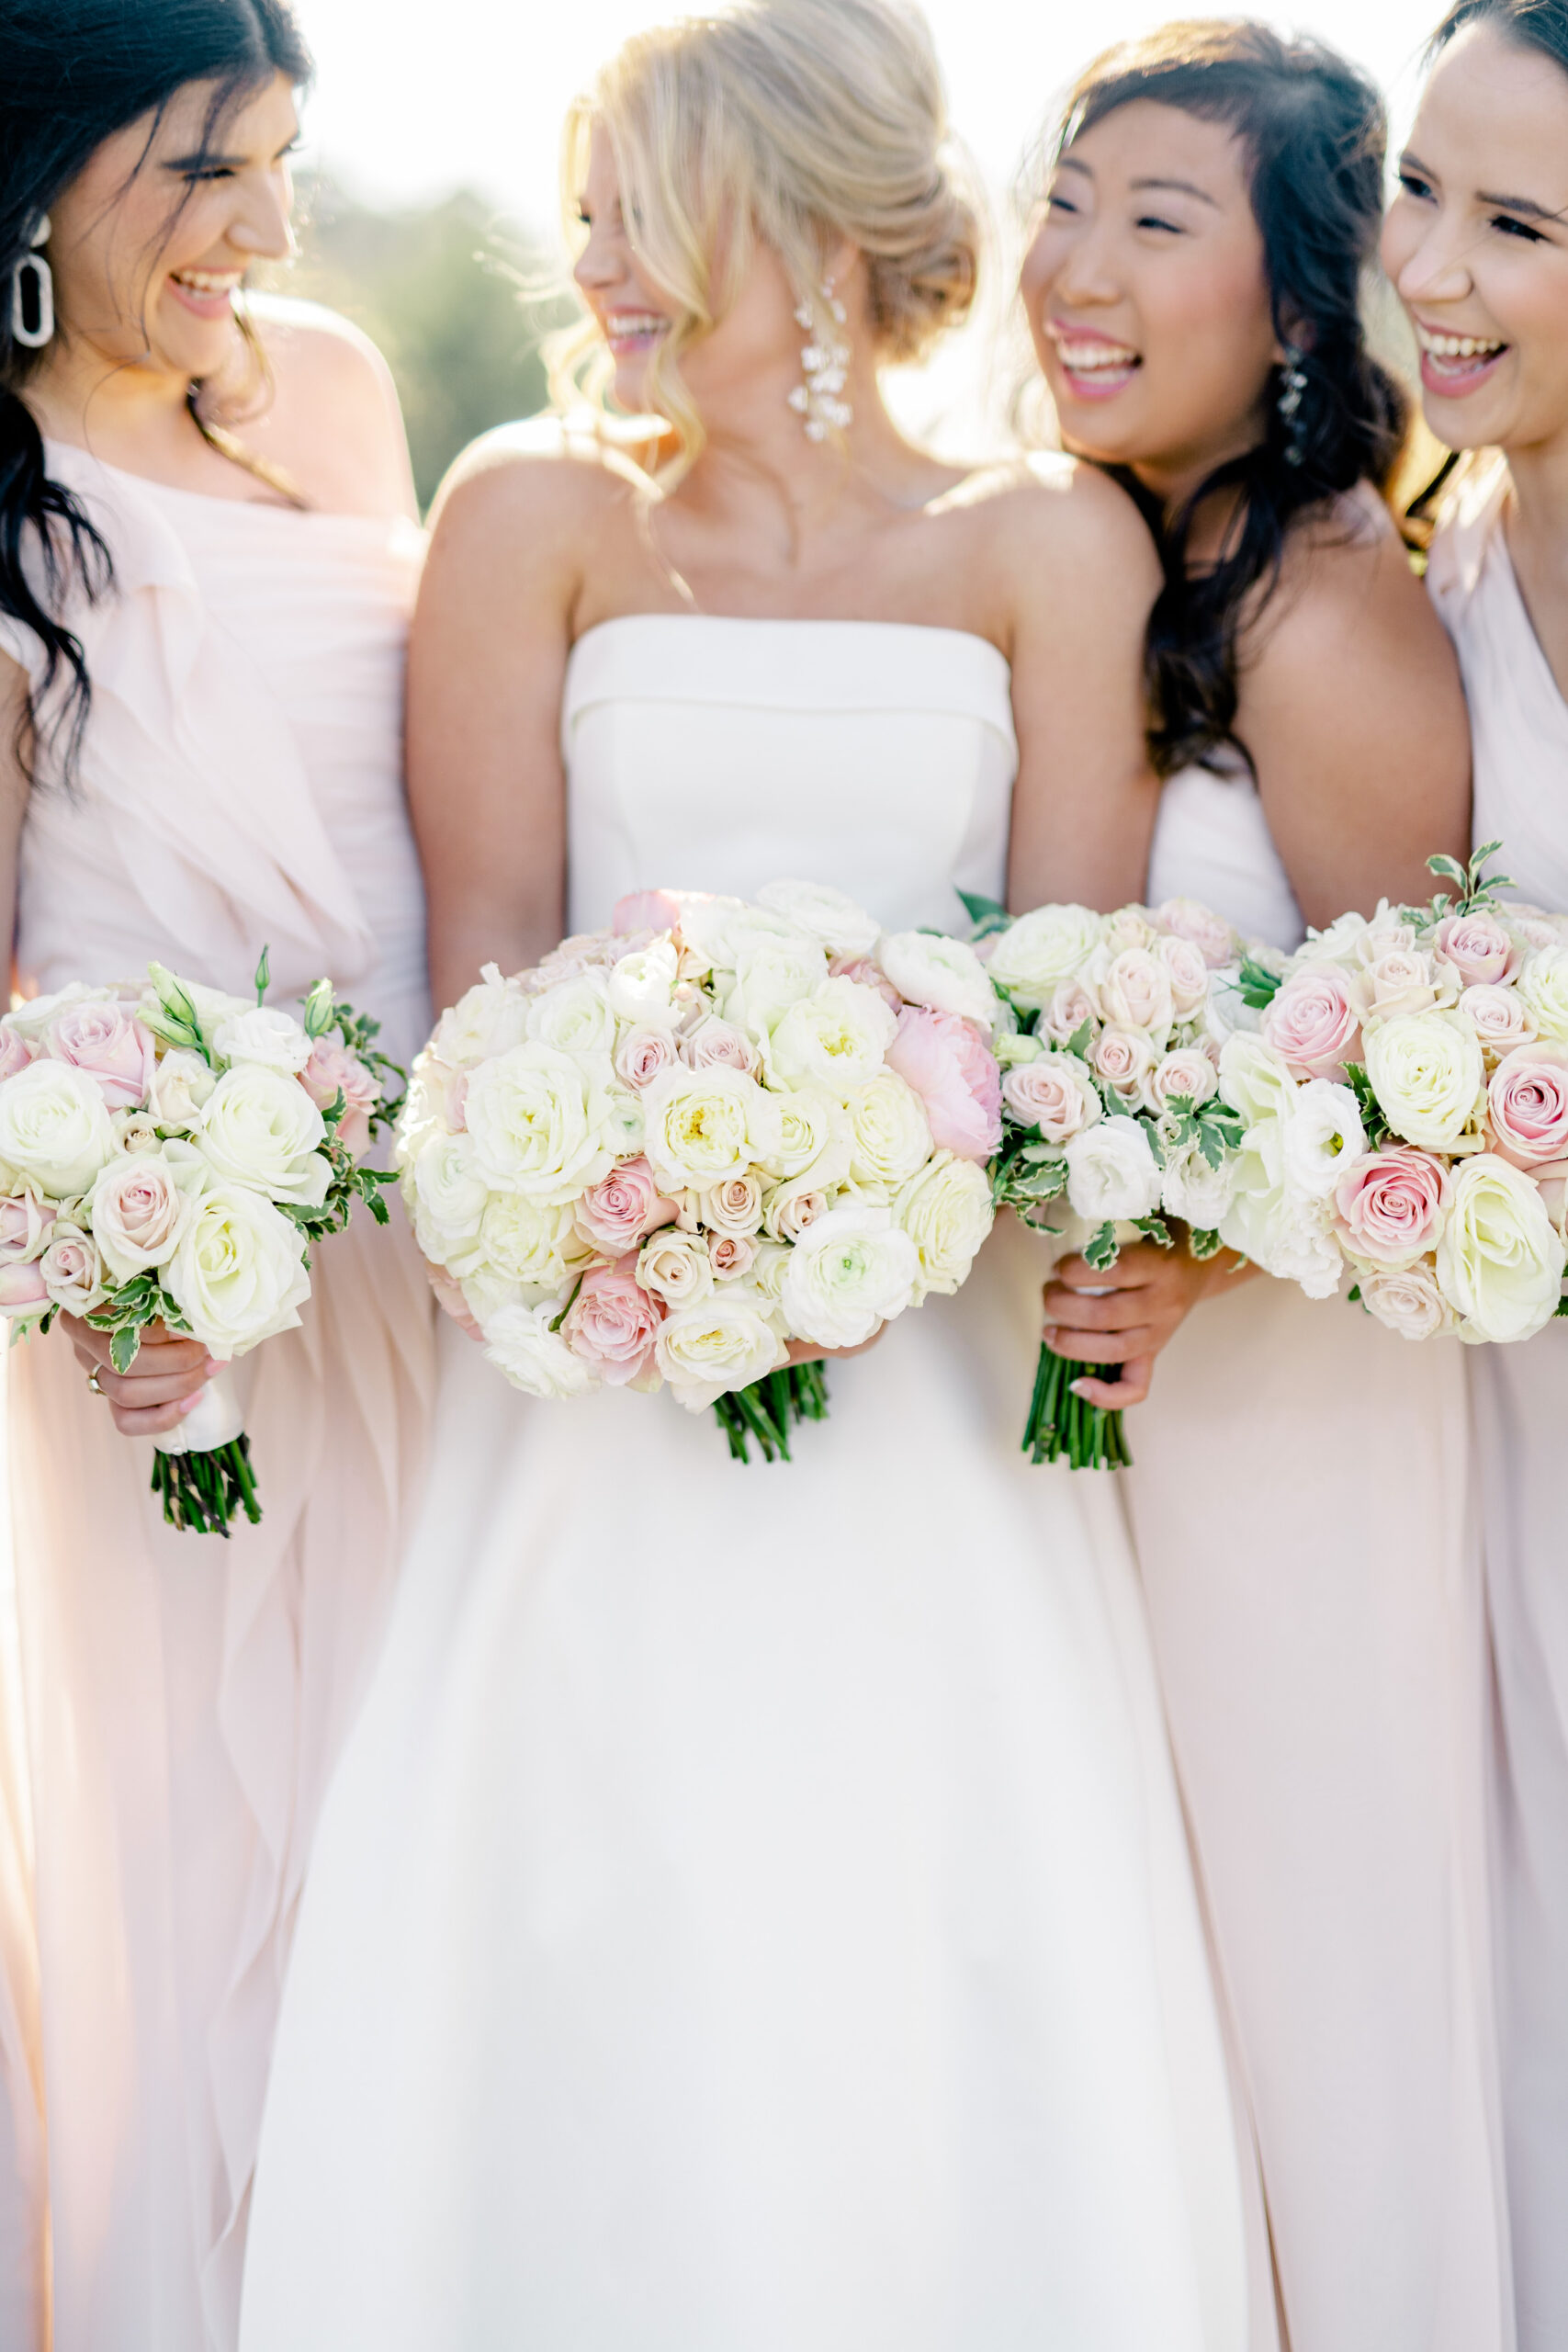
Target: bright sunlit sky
(415, 97)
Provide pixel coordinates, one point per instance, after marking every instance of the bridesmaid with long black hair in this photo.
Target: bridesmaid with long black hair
(1299, 1499)
(207, 555)
(1476, 243)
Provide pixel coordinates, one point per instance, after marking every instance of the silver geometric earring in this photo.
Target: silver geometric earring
(824, 364)
(33, 276)
(1292, 384)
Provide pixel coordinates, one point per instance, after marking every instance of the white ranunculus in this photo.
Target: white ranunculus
(1323, 1136)
(519, 1341)
(575, 1017)
(55, 1127)
(842, 927)
(239, 1273)
(490, 1018)
(641, 986)
(946, 1211)
(1194, 1190)
(445, 1194)
(1407, 1299)
(139, 1213)
(1500, 1260)
(851, 1271)
(1041, 949)
(770, 974)
(835, 1037)
(701, 1127)
(944, 974)
(1112, 1173)
(182, 1084)
(1427, 1074)
(1254, 1079)
(541, 1122)
(890, 1135)
(724, 1341)
(1543, 985)
(813, 1133)
(261, 1129)
(265, 1034)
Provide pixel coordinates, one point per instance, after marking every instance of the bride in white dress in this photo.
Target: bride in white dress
(753, 1910)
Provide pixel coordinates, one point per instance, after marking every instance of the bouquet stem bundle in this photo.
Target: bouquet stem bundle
(210, 1489)
(769, 1408)
(1063, 1426)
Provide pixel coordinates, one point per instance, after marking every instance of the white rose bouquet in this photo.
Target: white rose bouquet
(1112, 1122)
(167, 1153)
(1403, 1086)
(674, 1148)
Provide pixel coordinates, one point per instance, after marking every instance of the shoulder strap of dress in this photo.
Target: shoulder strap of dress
(1469, 517)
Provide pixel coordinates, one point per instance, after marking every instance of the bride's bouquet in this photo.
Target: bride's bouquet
(672, 1148)
(167, 1153)
(1404, 1088)
(1112, 1121)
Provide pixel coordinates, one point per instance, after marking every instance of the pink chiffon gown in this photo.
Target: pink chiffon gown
(185, 1700)
(1519, 721)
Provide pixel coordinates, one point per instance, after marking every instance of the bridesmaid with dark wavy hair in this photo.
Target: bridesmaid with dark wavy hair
(1299, 1497)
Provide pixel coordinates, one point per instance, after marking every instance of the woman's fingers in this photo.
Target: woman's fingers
(152, 1421)
(1100, 1347)
(146, 1394)
(1114, 1394)
(1118, 1312)
(162, 1355)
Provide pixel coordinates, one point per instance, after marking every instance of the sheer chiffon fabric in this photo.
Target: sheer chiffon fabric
(185, 1699)
(1519, 723)
(1301, 1508)
(753, 1911)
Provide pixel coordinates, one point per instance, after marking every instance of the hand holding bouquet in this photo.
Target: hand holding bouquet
(167, 1153)
(673, 1149)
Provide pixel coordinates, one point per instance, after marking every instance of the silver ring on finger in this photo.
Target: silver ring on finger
(93, 1382)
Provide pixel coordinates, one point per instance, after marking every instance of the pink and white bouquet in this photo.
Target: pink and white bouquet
(167, 1153)
(1404, 1086)
(1111, 1115)
(674, 1148)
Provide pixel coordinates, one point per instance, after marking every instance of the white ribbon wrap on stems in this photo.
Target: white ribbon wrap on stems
(213, 1421)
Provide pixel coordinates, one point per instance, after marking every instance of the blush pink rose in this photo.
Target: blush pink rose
(22, 1290)
(1526, 1106)
(332, 1069)
(1312, 1022)
(24, 1220)
(719, 1044)
(1389, 1206)
(1186, 918)
(867, 973)
(733, 1254)
(1479, 949)
(955, 1074)
(649, 911)
(106, 1044)
(16, 1052)
(623, 1208)
(1071, 1005)
(1126, 1060)
(1499, 1016)
(642, 1054)
(1053, 1094)
(1187, 973)
(449, 1298)
(614, 1323)
(1185, 1074)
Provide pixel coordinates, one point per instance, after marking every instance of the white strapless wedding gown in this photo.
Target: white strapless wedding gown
(753, 1914)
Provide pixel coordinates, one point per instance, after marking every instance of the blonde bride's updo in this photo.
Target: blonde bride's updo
(803, 123)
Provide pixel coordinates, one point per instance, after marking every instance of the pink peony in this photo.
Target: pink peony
(1389, 1206)
(642, 1054)
(16, 1052)
(332, 1069)
(650, 910)
(623, 1208)
(106, 1044)
(613, 1324)
(867, 973)
(954, 1073)
(1479, 949)
(1185, 918)
(1313, 1024)
(1526, 1106)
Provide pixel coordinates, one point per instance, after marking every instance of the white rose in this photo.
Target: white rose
(540, 1123)
(72, 1271)
(675, 1267)
(842, 927)
(522, 1245)
(1111, 1174)
(722, 1342)
(261, 1129)
(1254, 1079)
(790, 1208)
(139, 1214)
(55, 1127)
(1427, 1074)
(135, 1132)
(1041, 949)
(770, 974)
(706, 924)
(1323, 1136)
(519, 1342)
(182, 1084)
(239, 1273)
(813, 1135)
(575, 1017)
(946, 1211)
(944, 974)
(262, 1034)
(836, 1037)
(445, 1195)
(1342, 942)
(490, 1018)
(701, 1127)
(1543, 984)
(641, 986)
(769, 1268)
(1194, 1190)
(1499, 1260)
(851, 1271)
(1407, 1299)
(890, 1135)
(734, 1208)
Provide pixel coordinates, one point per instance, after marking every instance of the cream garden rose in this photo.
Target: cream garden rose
(834, 919)
(945, 1208)
(264, 1034)
(724, 1341)
(835, 1038)
(1428, 1075)
(703, 1127)
(1499, 1258)
(1039, 951)
(541, 1123)
(890, 1135)
(520, 1342)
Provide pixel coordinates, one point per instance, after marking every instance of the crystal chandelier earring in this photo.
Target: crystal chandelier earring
(824, 364)
(32, 276)
(1292, 384)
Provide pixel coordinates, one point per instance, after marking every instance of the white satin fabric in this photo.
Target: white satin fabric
(185, 1699)
(1520, 725)
(1301, 1509)
(752, 1911)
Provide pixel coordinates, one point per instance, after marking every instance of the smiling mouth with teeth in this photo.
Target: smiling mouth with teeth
(1094, 366)
(1454, 364)
(627, 330)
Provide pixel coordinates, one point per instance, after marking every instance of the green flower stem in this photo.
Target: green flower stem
(1064, 1424)
(766, 1409)
(207, 1491)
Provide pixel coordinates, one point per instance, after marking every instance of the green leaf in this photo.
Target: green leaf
(987, 915)
(1561, 1307)
(263, 978)
(1373, 1120)
(1202, 1242)
(1450, 868)
(1354, 1295)
(568, 1304)
(1081, 1039)
(1154, 1228)
(1258, 986)
(1102, 1249)
(123, 1349)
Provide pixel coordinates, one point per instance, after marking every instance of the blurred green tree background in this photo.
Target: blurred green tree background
(454, 295)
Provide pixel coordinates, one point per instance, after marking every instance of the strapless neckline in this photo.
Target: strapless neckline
(796, 621)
